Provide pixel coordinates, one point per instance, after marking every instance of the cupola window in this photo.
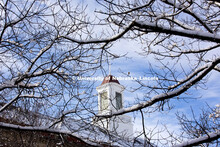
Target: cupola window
(118, 101)
(104, 100)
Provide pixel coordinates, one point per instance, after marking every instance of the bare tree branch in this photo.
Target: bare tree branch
(149, 27)
(204, 139)
(168, 95)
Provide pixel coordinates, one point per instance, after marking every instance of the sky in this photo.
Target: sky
(197, 99)
(137, 65)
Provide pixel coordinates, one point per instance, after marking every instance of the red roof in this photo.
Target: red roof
(109, 79)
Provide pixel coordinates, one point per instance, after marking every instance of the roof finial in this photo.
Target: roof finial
(109, 68)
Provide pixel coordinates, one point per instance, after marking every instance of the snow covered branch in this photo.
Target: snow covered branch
(41, 52)
(61, 118)
(21, 85)
(16, 82)
(9, 103)
(45, 46)
(190, 12)
(204, 139)
(189, 77)
(149, 27)
(107, 40)
(168, 95)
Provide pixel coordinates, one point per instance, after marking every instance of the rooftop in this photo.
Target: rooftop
(110, 79)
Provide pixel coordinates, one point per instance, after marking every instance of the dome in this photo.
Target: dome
(109, 79)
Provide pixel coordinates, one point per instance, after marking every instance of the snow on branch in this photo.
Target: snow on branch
(61, 118)
(190, 12)
(17, 82)
(199, 51)
(41, 52)
(168, 95)
(172, 31)
(188, 77)
(204, 139)
(179, 23)
(9, 103)
(21, 85)
(107, 40)
(130, 10)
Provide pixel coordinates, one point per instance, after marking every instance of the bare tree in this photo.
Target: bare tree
(44, 45)
(200, 127)
(39, 61)
(182, 36)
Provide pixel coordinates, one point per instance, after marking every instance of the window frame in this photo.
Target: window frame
(118, 100)
(104, 103)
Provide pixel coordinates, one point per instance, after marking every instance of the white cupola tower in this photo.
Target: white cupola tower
(110, 95)
(110, 100)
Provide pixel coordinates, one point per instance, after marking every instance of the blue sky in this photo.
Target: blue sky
(137, 65)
